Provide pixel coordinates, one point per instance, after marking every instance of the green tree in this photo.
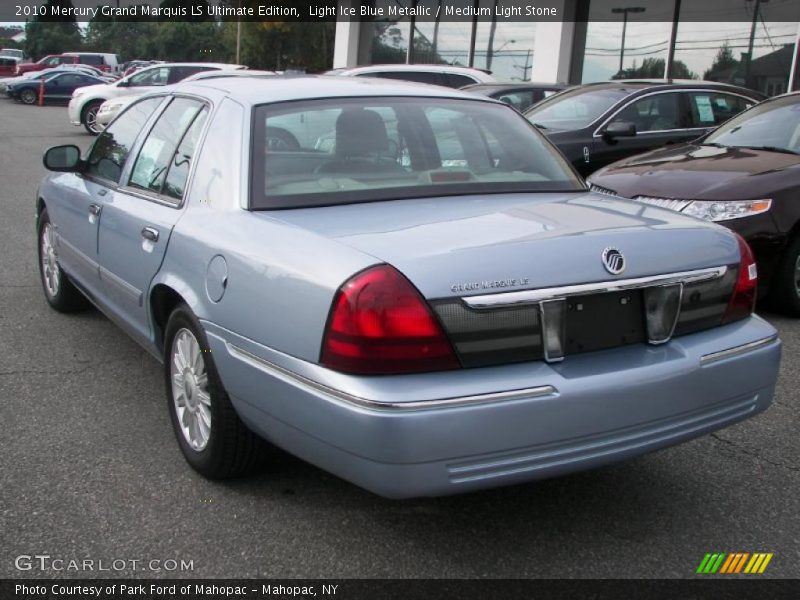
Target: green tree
(280, 45)
(723, 61)
(124, 38)
(653, 68)
(52, 35)
(184, 41)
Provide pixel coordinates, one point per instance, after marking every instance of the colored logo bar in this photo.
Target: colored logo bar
(735, 562)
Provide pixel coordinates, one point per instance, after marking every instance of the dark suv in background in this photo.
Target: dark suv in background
(600, 123)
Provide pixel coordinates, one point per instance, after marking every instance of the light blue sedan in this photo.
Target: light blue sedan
(405, 285)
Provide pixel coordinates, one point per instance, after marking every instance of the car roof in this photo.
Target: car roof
(642, 84)
(404, 67)
(271, 88)
(196, 64)
(508, 85)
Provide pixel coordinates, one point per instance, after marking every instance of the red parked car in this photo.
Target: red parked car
(49, 61)
(8, 66)
(104, 62)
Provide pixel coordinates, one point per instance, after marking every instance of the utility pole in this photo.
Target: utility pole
(238, 36)
(751, 43)
(624, 12)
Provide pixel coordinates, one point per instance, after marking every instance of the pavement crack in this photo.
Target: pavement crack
(756, 455)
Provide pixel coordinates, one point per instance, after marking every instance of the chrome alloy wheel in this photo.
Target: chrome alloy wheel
(190, 391)
(51, 272)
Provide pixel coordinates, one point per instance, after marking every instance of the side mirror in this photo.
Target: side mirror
(620, 129)
(123, 83)
(66, 159)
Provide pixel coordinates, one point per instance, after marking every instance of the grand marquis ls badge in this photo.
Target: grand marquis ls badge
(613, 261)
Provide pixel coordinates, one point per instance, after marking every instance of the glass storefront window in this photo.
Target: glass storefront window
(640, 53)
(388, 40)
(440, 42)
(504, 47)
(719, 49)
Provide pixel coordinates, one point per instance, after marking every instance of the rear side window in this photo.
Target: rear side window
(455, 80)
(177, 74)
(416, 76)
(110, 151)
(711, 109)
(178, 172)
(519, 99)
(91, 59)
(156, 156)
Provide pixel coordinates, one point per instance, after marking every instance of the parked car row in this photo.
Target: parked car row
(103, 61)
(405, 285)
(86, 101)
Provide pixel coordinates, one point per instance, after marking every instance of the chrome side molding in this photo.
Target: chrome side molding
(736, 350)
(456, 401)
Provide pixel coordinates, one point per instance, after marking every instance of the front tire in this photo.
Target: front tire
(29, 97)
(89, 118)
(59, 291)
(211, 436)
(785, 293)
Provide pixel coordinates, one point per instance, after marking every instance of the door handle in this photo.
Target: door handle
(95, 209)
(102, 192)
(149, 233)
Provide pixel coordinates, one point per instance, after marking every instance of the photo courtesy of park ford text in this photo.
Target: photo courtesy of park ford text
(362, 299)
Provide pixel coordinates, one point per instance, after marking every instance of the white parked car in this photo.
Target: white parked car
(112, 107)
(86, 101)
(445, 75)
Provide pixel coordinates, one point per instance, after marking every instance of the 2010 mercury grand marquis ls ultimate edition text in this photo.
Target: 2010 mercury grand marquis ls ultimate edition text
(407, 286)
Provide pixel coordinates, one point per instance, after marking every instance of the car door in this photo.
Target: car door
(138, 221)
(660, 118)
(76, 210)
(61, 86)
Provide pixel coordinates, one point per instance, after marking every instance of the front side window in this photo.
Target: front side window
(574, 109)
(520, 99)
(772, 124)
(341, 151)
(155, 157)
(657, 112)
(157, 76)
(109, 152)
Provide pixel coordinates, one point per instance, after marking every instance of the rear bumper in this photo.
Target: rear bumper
(444, 433)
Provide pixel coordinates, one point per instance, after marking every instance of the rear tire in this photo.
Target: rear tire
(211, 436)
(89, 118)
(59, 291)
(785, 292)
(29, 97)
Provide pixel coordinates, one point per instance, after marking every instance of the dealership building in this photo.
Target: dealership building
(754, 43)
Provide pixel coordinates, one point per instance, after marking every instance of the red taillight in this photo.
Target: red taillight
(743, 300)
(380, 324)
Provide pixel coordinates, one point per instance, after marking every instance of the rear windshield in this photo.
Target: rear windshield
(575, 109)
(344, 150)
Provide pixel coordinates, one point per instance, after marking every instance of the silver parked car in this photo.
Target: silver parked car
(407, 286)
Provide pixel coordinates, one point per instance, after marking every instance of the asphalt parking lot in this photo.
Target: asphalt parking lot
(89, 467)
